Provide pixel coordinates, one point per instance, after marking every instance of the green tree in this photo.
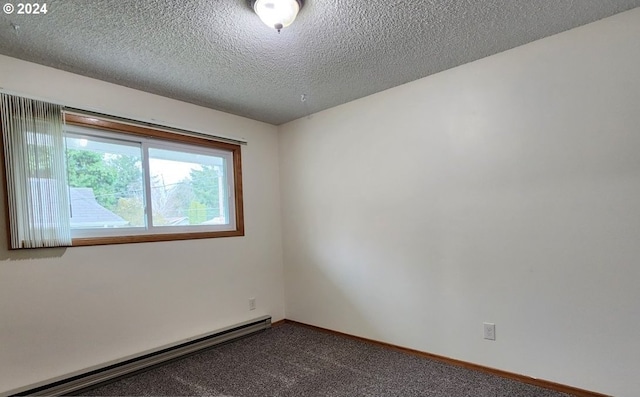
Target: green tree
(181, 197)
(88, 169)
(112, 179)
(197, 213)
(40, 160)
(205, 189)
(128, 182)
(131, 210)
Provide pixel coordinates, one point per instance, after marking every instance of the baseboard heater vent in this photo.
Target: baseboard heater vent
(111, 371)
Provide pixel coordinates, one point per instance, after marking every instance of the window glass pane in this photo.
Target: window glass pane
(187, 188)
(105, 183)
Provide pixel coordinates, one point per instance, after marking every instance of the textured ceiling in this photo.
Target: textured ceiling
(218, 54)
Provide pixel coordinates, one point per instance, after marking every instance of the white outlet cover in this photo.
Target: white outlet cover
(489, 331)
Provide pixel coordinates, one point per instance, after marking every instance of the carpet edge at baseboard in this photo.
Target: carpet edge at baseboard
(575, 391)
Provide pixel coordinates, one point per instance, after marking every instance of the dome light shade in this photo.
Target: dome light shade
(277, 14)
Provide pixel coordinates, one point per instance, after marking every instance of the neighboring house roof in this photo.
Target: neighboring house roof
(86, 212)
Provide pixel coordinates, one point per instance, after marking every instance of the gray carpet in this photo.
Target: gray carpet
(291, 360)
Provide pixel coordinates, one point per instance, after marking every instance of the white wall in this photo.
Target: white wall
(506, 190)
(62, 310)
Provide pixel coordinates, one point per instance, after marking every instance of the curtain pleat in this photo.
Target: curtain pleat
(34, 151)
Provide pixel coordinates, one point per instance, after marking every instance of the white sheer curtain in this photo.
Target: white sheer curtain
(34, 155)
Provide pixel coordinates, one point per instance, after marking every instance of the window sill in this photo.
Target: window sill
(150, 238)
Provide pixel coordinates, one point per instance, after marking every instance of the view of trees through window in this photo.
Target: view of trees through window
(116, 181)
(186, 189)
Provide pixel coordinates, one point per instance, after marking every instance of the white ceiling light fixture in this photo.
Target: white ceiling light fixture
(277, 14)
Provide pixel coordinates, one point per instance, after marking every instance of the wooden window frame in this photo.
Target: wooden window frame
(146, 132)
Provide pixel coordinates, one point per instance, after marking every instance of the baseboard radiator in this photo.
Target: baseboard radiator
(112, 371)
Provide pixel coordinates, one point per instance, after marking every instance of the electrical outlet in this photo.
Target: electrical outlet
(252, 303)
(490, 331)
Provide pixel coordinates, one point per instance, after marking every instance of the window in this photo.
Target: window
(128, 183)
(73, 179)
